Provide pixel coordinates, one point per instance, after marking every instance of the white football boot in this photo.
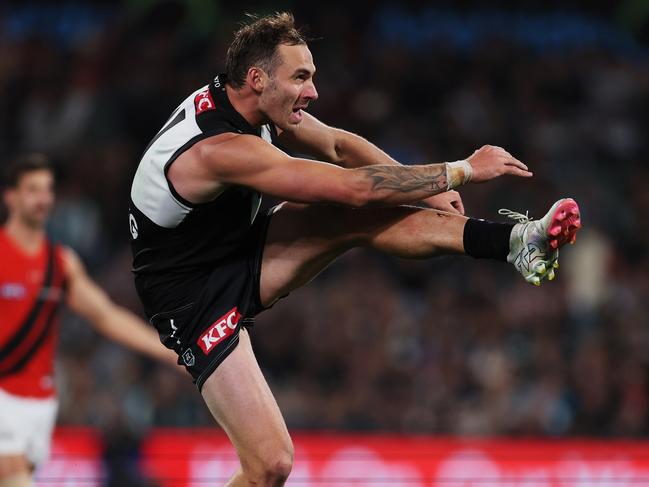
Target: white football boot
(534, 244)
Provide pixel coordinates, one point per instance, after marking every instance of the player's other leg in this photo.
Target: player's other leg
(236, 392)
(303, 239)
(241, 401)
(15, 471)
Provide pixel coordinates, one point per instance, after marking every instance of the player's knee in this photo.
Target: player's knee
(273, 469)
(277, 467)
(277, 472)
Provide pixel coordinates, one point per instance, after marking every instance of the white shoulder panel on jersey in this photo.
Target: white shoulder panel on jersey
(150, 191)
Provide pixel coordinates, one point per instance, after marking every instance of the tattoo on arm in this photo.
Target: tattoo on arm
(406, 179)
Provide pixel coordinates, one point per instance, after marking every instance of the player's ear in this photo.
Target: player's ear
(256, 79)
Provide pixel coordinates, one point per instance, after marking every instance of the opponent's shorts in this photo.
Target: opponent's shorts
(26, 426)
(205, 330)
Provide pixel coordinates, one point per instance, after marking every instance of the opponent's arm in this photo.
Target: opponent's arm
(117, 323)
(249, 161)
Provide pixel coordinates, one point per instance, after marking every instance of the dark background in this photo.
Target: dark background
(448, 346)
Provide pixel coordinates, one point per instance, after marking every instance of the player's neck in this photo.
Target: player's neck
(28, 238)
(246, 105)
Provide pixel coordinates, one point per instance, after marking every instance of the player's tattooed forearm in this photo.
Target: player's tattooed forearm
(408, 178)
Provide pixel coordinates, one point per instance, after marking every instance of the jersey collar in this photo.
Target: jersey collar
(220, 95)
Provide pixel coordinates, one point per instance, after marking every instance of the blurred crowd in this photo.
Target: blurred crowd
(449, 346)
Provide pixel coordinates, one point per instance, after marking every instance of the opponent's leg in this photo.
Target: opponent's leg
(15, 471)
(241, 401)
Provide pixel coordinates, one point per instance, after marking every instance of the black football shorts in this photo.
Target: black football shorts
(205, 329)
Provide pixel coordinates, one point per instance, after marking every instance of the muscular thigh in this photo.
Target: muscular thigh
(302, 241)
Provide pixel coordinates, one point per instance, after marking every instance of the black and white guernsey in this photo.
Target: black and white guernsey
(175, 242)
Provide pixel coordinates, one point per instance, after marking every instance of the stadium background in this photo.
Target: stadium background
(450, 347)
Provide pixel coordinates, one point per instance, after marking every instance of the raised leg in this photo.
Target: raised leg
(304, 239)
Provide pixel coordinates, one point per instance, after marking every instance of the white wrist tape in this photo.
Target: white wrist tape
(458, 173)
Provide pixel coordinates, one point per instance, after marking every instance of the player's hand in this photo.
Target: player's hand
(489, 162)
(450, 201)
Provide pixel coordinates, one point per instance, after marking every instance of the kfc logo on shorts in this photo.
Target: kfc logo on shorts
(204, 102)
(219, 330)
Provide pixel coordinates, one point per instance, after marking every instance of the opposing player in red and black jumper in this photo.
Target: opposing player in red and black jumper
(37, 277)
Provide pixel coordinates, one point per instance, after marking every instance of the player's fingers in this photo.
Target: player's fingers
(446, 206)
(455, 201)
(515, 171)
(515, 162)
(457, 204)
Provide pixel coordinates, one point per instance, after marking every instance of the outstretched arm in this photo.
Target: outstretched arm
(117, 323)
(247, 160)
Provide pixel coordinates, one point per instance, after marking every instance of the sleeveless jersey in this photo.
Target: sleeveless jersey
(32, 289)
(175, 243)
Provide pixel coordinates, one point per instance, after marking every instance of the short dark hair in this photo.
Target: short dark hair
(24, 164)
(255, 44)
